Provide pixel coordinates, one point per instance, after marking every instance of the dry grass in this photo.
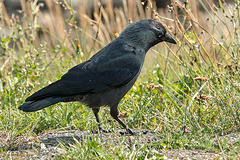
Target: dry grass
(188, 93)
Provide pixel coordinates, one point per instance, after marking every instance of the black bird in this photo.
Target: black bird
(107, 76)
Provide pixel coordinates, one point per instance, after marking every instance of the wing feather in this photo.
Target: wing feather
(92, 77)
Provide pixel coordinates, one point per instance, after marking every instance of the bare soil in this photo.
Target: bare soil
(47, 145)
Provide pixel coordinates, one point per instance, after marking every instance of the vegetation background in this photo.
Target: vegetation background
(188, 94)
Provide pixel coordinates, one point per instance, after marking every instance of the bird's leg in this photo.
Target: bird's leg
(95, 111)
(114, 113)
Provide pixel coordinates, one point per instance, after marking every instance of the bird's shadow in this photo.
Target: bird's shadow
(68, 138)
(71, 137)
(64, 137)
(65, 140)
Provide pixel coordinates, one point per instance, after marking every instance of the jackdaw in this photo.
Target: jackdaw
(107, 76)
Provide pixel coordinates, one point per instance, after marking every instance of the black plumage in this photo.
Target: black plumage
(108, 75)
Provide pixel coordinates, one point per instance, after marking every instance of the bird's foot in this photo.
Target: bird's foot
(101, 130)
(129, 131)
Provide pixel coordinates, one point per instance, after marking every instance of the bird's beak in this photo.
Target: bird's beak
(168, 38)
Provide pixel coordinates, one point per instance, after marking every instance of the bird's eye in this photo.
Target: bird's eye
(159, 33)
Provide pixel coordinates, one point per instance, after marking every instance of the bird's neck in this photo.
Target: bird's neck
(136, 42)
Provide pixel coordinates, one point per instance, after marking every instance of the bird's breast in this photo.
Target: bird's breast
(107, 97)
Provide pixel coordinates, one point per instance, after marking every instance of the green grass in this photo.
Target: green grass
(31, 57)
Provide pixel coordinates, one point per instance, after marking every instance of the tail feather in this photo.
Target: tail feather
(31, 106)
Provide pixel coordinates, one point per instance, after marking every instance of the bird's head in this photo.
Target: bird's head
(146, 33)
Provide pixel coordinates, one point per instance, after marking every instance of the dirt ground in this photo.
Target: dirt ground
(47, 146)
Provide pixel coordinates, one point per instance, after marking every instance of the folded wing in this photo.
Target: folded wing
(80, 80)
